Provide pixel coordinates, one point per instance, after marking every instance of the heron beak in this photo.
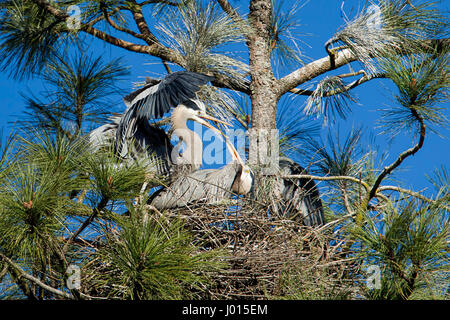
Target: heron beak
(207, 117)
(230, 146)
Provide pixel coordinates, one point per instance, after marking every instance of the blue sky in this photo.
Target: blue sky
(318, 20)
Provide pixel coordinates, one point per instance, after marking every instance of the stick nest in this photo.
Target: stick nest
(269, 257)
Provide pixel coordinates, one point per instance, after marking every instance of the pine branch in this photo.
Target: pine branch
(365, 78)
(365, 185)
(117, 27)
(102, 17)
(411, 193)
(342, 58)
(21, 273)
(411, 151)
(34, 280)
(101, 205)
(154, 49)
(313, 70)
(346, 202)
(3, 272)
(328, 178)
(18, 279)
(228, 8)
(166, 66)
(142, 25)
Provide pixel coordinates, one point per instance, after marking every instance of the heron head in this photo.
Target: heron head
(183, 113)
(243, 182)
(247, 173)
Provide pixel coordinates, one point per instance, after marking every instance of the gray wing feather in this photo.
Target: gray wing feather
(207, 186)
(155, 100)
(145, 142)
(301, 198)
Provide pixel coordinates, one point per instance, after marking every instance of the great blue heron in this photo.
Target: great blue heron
(132, 135)
(153, 100)
(206, 185)
(299, 198)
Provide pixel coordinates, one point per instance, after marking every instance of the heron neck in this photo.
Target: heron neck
(193, 152)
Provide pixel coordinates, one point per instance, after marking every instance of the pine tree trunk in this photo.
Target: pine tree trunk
(264, 100)
(262, 92)
(262, 88)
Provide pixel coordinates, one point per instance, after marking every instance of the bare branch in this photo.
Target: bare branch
(24, 286)
(313, 69)
(41, 284)
(166, 66)
(226, 6)
(350, 86)
(353, 84)
(365, 185)
(101, 205)
(36, 281)
(117, 27)
(142, 25)
(101, 17)
(409, 192)
(328, 178)
(411, 151)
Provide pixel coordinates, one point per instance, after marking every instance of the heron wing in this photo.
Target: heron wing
(155, 144)
(301, 195)
(207, 186)
(154, 100)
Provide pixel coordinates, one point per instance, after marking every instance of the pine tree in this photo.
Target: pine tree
(63, 205)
